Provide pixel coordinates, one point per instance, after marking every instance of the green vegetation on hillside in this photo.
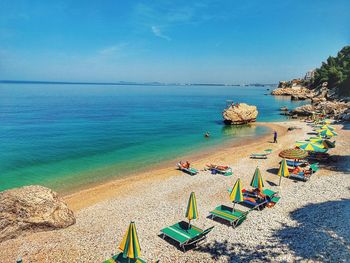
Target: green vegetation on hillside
(335, 71)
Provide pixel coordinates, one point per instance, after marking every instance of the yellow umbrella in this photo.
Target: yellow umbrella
(236, 195)
(130, 244)
(327, 127)
(257, 180)
(283, 170)
(192, 211)
(327, 133)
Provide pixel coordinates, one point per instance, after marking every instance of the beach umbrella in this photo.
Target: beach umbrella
(130, 244)
(327, 133)
(236, 194)
(257, 180)
(192, 211)
(324, 142)
(313, 147)
(293, 154)
(283, 170)
(327, 127)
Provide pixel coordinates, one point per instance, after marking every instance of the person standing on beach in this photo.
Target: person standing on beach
(274, 137)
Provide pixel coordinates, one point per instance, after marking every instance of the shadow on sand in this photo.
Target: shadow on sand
(321, 233)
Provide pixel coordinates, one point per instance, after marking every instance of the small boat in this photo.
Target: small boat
(284, 108)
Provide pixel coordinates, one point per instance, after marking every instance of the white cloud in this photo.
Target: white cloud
(158, 33)
(112, 50)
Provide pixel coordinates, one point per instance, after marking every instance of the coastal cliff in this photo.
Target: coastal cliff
(240, 114)
(30, 209)
(328, 88)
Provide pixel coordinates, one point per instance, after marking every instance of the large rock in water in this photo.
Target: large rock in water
(240, 114)
(30, 209)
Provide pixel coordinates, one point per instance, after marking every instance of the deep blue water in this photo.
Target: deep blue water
(69, 135)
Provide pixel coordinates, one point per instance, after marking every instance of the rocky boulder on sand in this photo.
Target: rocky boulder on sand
(32, 208)
(240, 114)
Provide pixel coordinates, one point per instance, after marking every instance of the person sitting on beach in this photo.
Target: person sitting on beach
(259, 193)
(185, 165)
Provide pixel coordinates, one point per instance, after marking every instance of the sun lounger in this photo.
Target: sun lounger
(258, 156)
(191, 171)
(184, 235)
(300, 176)
(295, 163)
(272, 195)
(254, 203)
(214, 169)
(120, 259)
(234, 217)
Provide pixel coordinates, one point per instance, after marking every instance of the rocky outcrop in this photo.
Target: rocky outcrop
(293, 88)
(240, 114)
(30, 209)
(334, 108)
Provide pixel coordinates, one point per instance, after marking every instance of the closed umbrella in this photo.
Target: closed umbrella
(283, 170)
(236, 195)
(192, 211)
(130, 244)
(257, 180)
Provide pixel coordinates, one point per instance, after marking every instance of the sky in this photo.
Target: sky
(232, 41)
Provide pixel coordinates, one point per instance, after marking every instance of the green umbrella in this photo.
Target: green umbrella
(313, 147)
(130, 244)
(283, 170)
(236, 195)
(257, 180)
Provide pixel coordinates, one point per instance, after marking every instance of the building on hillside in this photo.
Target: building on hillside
(309, 75)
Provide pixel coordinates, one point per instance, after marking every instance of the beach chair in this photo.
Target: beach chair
(302, 176)
(191, 171)
(234, 217)
(253, 201)
(215, 170)
(120, 259)
(296, 163)
(185, 234)
(258, 156)
(272, 195)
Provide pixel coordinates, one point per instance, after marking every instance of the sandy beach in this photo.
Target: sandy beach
(309, 224)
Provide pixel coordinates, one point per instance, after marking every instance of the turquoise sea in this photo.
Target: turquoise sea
(66, 136)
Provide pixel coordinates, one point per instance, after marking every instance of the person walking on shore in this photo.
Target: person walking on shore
(274, 137)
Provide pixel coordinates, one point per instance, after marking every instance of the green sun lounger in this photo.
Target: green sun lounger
(226, 213)
(120, 259)
(272, 195)
(184, 235)
(258, 156)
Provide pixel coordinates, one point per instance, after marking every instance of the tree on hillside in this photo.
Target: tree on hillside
(335, 71)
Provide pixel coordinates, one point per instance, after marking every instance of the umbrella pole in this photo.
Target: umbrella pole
(189, 223)
(280, 181)
(233, 206)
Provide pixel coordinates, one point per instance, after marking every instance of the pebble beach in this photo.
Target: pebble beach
(311, 222)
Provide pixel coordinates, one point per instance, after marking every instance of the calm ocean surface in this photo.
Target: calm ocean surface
(65, 136)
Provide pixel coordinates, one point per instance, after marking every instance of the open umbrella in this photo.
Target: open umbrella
(283, 170)
(327, 133)
(325, 143)
(192, 211)
(313, 147)
(293, 154)
(236, 195)
(130, 244)
(257, 180)
(327, 127)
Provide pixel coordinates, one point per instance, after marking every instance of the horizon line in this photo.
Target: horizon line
(151, 83)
